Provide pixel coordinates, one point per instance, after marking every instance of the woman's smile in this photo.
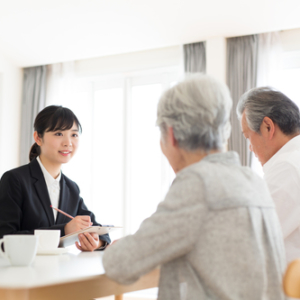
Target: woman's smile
(65, 153)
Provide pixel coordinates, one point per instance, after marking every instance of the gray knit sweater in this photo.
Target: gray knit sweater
(216, 236)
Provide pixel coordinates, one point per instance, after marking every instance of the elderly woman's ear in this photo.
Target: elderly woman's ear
(171, 137)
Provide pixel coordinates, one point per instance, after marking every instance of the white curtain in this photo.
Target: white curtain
(268, 67)
(60, 83)
(269, 58)
(66, 89)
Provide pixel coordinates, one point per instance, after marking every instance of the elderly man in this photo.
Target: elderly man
(216, 235)
(271, 123)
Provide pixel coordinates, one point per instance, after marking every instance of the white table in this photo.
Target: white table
(67, 276)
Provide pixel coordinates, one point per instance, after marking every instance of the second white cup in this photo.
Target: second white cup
(48, 239)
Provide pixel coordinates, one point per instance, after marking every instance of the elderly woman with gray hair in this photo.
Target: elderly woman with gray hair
(216, 234)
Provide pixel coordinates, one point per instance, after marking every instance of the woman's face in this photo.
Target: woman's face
(58, 147)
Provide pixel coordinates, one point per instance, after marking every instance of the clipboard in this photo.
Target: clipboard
(71, 238)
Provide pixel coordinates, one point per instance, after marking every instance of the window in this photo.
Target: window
(108, 157)
(288, 84)
(286, 78)
(119, 166)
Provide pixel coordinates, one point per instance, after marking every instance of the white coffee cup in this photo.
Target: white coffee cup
(20, 249)
(48, 239)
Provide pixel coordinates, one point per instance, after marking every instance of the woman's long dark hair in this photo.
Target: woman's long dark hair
(52, 118)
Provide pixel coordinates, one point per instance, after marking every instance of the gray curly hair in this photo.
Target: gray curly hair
(198, 110)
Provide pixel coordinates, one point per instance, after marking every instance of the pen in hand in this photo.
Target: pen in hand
(62, 212)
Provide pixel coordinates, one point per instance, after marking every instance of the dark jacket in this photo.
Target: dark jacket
(25, 202)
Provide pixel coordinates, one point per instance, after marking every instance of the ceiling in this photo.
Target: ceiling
(36, 32)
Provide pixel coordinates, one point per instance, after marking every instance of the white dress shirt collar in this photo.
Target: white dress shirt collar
(48, 178)
(53, 187)
(291, 145)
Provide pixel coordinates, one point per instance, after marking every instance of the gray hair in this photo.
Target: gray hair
(267, 102)
(198, 110)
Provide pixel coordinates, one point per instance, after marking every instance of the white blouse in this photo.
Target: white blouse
(53, 187)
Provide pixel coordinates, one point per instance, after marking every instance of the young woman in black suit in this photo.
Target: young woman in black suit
(27, 192)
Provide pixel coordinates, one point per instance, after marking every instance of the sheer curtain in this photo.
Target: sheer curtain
(66, 89)
(33, 100)
(268, 66)
(242, 59)
(195, 58)
(269, 58)
(60, 83)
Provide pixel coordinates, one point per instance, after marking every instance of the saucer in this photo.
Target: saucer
(55, 251)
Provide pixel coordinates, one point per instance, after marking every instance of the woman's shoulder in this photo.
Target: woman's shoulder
(18, 171)
(19, 174)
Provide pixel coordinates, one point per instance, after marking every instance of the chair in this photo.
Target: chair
(291, 279)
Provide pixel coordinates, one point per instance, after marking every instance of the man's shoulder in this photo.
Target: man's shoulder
(285, 161)
(284, 170)
(287, 157)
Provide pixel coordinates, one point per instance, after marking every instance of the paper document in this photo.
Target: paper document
(71, 238)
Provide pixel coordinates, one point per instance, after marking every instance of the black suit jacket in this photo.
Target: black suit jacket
(25, 202)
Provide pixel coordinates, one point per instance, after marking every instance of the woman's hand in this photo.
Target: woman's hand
(112, 243)
(89, 241)
(78, 223)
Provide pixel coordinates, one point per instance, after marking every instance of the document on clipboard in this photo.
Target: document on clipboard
(71, 238)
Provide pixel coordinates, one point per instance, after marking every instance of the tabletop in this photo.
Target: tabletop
(75, 275)
(52, 269)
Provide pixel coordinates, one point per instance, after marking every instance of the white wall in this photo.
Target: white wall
(129, 62)
(10, 113)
